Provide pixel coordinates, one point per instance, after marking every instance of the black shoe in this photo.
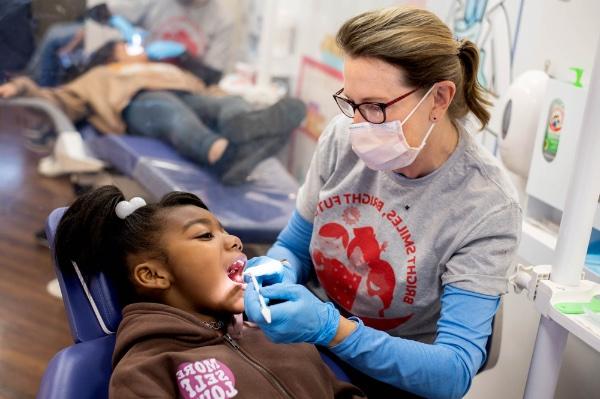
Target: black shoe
(280, 119)
(239, 160)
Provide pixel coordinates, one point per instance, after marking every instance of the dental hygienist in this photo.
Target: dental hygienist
(408, 223)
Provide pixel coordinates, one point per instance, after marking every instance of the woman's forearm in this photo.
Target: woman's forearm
(345, 328)
(441, 370)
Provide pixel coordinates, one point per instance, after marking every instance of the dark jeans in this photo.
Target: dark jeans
(191, 123)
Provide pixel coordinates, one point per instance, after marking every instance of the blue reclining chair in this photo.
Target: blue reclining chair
(255, 211)
(83, 369)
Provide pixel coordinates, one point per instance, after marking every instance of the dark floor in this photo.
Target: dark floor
(33, 326)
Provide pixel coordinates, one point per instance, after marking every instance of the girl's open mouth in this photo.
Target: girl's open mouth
(234, 271)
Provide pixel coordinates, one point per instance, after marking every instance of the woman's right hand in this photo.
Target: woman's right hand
(8, 90)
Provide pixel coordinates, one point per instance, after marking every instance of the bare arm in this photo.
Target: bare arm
(8, 90)
(64, 97)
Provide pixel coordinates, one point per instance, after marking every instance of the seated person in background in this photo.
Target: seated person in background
(204, 27)
(58, 54)
(123, 92)
(180, 276)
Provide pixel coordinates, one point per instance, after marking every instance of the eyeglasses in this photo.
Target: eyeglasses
(371, 111)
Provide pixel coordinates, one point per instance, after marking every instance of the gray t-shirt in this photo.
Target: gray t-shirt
(384, 245)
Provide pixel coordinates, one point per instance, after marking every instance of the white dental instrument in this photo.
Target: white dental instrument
(264, 310)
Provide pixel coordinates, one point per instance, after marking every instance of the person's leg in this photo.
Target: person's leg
(214, 109)
(44, 65)
(163, 115)
(234, 118)
(277, 120)
(239, 160)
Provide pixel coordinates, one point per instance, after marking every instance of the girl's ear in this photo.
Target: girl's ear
(152, 275)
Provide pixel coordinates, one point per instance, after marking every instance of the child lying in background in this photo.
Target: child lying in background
(180, 275)
(122, 91)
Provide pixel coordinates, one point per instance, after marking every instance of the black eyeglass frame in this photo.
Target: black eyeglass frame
(382, 106)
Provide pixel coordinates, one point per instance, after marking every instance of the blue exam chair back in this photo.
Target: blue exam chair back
(83, 369)
(88, 318)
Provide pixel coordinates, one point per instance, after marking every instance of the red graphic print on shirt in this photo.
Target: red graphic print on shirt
(355, 266)
(351, 215)
(340, 264)
(184, 31)
(207, 378)
(339, 281)
(381, 280)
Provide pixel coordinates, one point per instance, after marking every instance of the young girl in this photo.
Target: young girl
(180, 276)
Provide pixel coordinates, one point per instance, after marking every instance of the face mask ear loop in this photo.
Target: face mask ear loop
(412, 112)
(426, 136)
(417, 106)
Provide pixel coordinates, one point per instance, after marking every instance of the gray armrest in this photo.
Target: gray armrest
(61, 122)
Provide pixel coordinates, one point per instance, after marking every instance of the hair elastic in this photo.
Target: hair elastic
(126, 208)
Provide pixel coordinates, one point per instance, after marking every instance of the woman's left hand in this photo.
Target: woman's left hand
(296, 314)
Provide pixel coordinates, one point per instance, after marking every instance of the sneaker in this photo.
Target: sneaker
(239, 160)
(280, 119)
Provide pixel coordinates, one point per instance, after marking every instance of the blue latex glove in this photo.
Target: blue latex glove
(297, 315)
(127, 30)
(270, 271)
(161, 49)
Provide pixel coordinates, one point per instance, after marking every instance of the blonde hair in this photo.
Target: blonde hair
(420, 44)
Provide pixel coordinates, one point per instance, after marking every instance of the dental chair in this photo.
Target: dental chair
(255, 211)
(83, 369)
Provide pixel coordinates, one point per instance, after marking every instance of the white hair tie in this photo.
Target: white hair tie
(126, 208)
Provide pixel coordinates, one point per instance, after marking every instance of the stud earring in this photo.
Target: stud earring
(434, 118)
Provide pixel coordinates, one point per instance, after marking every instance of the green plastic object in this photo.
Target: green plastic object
(578, 75)
(579, 307)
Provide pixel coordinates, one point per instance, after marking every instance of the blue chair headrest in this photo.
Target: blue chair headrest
(91, 303)
(80, 371)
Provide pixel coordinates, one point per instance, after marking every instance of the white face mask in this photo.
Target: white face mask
(383, 146)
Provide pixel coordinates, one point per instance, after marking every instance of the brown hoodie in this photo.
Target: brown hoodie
(164, 352)
(102, 93)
